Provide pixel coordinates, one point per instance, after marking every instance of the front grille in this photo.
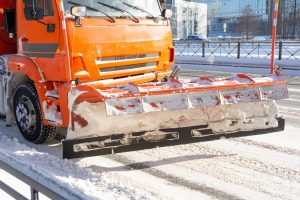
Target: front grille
(126, 67)
(128, 57)
(129, 62)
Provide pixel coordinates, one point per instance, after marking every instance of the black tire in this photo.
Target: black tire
(28, 115)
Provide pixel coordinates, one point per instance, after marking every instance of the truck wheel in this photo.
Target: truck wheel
(28, 115)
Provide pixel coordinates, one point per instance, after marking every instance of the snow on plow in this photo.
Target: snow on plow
(107, 120)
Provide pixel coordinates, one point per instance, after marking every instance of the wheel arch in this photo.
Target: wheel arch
(15, 70)
(23, 65)
(18, 69)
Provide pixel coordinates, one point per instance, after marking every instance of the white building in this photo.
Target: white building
(189, 18)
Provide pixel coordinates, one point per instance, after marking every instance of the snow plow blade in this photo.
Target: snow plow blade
(106, 120)
(185, 136)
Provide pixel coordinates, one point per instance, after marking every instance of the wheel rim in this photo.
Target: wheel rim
(26, 115)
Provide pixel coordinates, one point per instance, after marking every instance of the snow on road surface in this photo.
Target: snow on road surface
(85, 175)
(253, 167)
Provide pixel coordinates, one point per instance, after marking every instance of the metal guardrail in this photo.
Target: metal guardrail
(35, 186)
(237, 49)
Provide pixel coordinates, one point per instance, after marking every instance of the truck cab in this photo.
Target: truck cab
(47, 47)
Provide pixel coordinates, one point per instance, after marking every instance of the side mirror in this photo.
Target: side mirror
(78, 11)
(166, 13)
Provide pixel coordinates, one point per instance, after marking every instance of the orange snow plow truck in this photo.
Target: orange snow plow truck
(101, 70)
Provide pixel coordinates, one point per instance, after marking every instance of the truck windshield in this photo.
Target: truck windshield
(128, 8)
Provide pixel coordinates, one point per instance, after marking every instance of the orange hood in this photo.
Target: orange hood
(101, 49)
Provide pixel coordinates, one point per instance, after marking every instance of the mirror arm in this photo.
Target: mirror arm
(78, 20)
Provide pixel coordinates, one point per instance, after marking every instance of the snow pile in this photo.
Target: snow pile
(51, 113)
(62, 176)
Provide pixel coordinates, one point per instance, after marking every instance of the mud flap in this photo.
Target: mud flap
(95, 146)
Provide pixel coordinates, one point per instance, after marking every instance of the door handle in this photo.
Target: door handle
(24, 39)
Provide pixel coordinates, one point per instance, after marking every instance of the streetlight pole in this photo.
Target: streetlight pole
(274, 34)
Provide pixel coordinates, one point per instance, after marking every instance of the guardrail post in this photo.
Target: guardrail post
(203, 49)
(239, 49)
(35, 187)
(258, 47)
(34, 194)
(280, 50)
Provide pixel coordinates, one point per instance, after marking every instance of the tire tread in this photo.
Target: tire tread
(46, 133)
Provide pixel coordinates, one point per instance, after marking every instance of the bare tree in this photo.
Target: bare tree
(288, 18)
(248, 24)
(294, 17)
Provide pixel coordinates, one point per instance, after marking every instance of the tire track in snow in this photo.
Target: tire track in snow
(247, 162)
(267, 146)
(241, 160)
(256, 165)
(234, 169)
(289, 111)
(174, 179)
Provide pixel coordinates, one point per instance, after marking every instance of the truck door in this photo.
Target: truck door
(38, 31)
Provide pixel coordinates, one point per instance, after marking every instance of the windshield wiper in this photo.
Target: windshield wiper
(141, 9)
(94, 9)
(119, 9)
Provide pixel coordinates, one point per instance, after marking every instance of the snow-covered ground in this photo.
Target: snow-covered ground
(253, 167)
(256, 167)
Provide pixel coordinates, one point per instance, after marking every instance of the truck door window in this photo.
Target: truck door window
(32, 6)
(10, 22)
(48, 8)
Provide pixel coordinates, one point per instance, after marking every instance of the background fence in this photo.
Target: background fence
(237, 49)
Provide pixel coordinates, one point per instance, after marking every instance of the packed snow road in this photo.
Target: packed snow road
(253, 167)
